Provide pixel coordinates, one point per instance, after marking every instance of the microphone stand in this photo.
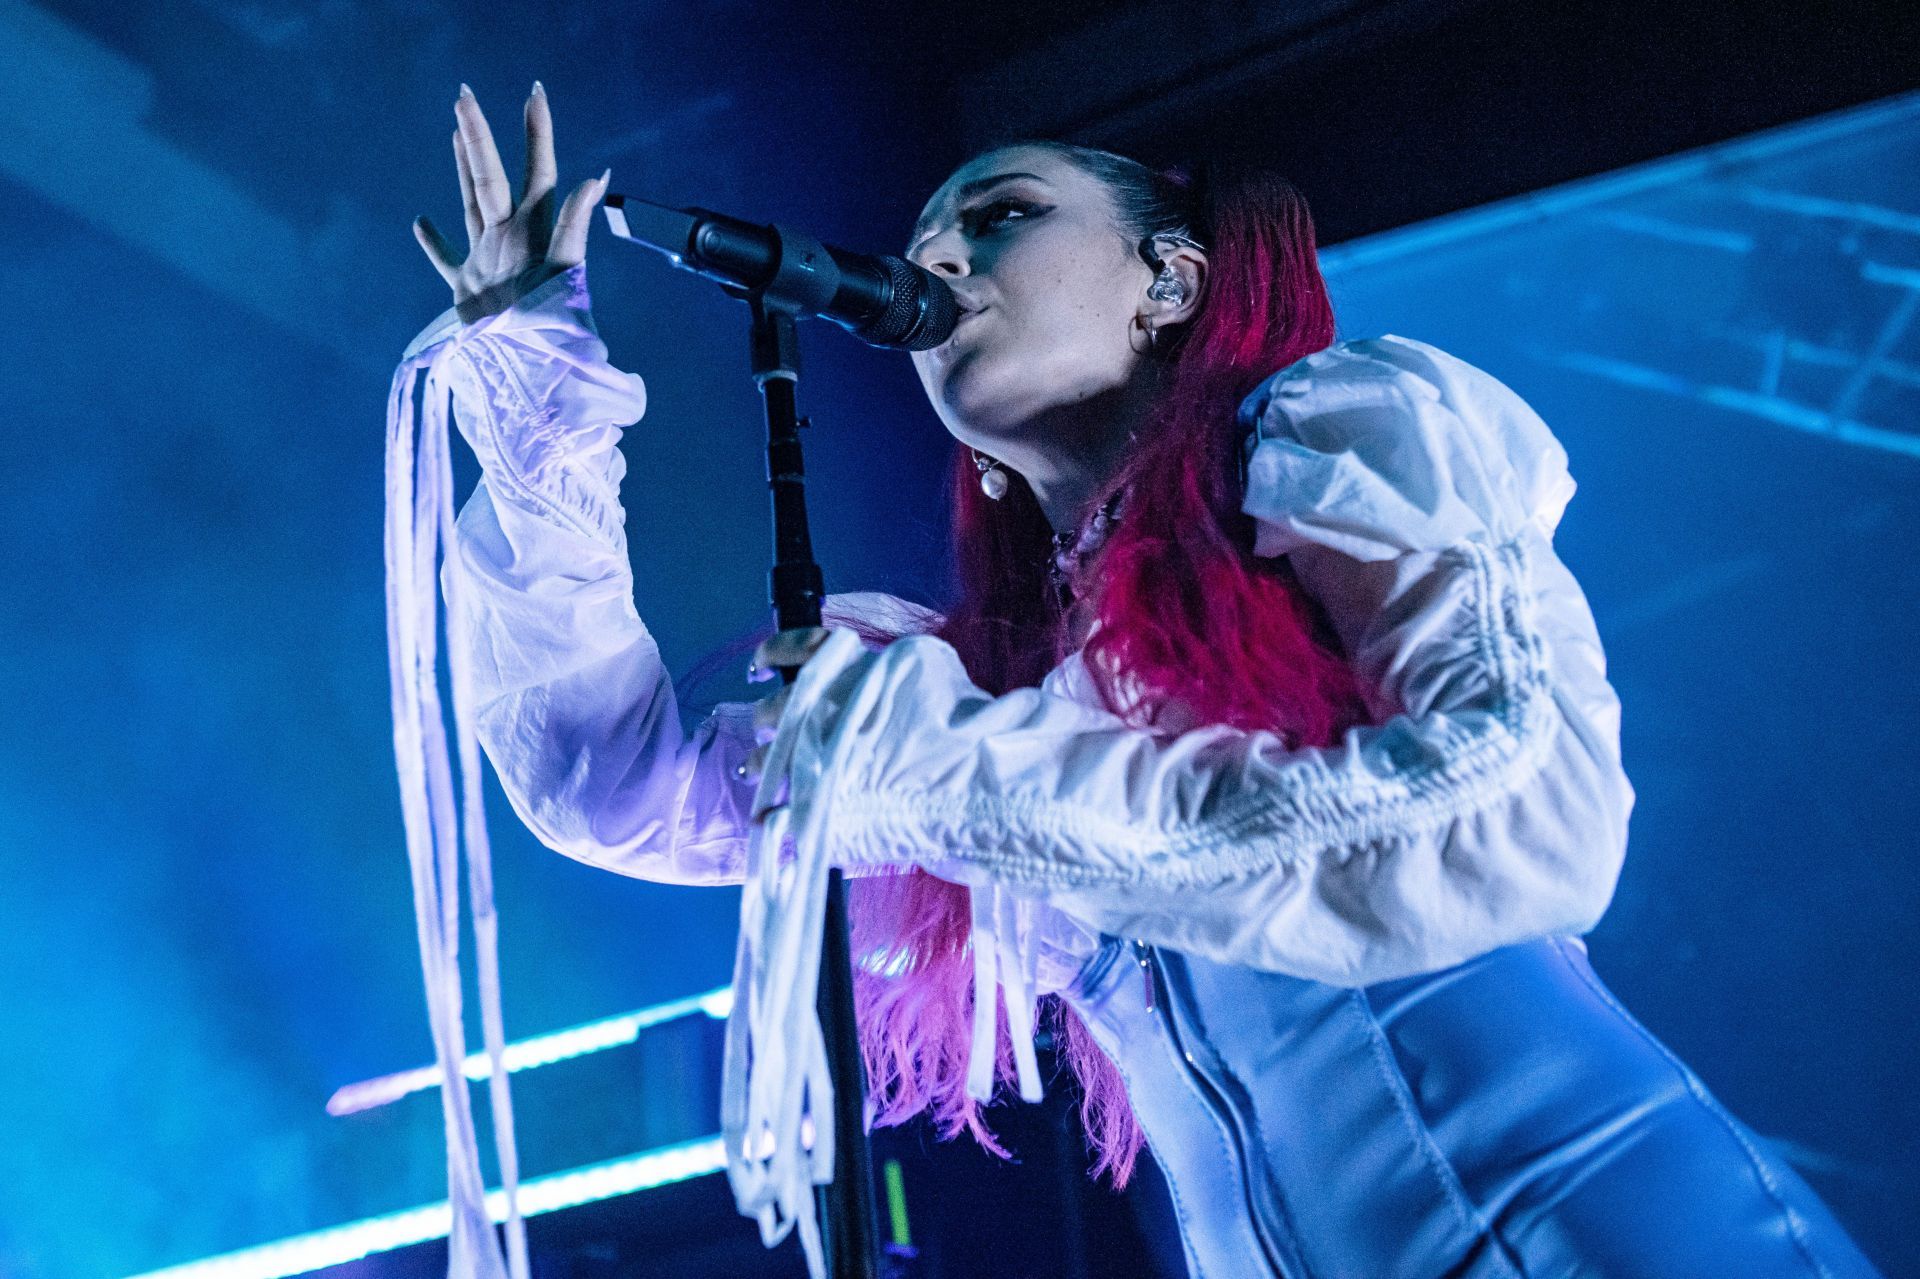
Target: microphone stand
(895, 304)
(845, 1206)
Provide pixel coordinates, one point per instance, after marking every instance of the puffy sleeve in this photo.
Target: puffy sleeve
(1416, 497)
(572, 701)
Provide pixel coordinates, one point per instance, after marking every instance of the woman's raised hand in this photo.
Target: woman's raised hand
(512, 248)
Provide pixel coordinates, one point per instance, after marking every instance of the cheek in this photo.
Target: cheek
(1071, 322)
(1057, 334)
(1067, 294)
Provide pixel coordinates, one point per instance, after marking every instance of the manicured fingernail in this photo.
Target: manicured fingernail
(606, 177)
(465, 92)
(539, 90)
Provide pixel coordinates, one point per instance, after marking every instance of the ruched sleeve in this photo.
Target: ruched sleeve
(555, 676)
(1416, 497)
(572, 701)
(1378, 448)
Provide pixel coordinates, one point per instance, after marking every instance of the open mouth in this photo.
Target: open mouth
(959, 323)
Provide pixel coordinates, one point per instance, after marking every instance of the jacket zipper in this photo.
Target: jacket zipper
(1160, 1003)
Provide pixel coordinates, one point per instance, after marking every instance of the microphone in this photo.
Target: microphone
(880, 298)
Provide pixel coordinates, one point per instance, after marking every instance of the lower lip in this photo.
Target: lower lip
(962, 319)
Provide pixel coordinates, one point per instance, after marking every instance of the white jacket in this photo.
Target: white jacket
(1416, 496)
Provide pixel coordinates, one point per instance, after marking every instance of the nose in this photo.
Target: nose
(943, 254)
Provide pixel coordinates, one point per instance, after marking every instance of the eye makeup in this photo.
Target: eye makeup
(979, 186)
(985, 219)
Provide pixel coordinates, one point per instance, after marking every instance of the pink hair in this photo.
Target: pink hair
(1176, 577)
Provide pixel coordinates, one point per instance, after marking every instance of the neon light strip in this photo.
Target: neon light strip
(302, 1254)
(525, 1054)
(897, 1204)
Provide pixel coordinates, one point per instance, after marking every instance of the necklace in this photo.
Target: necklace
(1072, 547)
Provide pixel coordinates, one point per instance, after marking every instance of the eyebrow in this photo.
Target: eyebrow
(967, 191)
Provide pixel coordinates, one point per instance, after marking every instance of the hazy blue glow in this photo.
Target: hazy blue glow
(205, 928)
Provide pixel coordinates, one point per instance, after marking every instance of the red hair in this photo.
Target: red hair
(1176, 576)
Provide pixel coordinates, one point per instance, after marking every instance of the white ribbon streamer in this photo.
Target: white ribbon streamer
(776, 1107)
(419, 520)
(777, 1094)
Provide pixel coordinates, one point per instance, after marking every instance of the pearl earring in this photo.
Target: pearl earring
(993, 480)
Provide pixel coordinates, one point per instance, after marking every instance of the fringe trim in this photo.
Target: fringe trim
(419, 522)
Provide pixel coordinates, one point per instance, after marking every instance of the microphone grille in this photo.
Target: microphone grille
(921, 310)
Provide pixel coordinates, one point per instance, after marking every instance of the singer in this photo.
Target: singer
(1267, 748)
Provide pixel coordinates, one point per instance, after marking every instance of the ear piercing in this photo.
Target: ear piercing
(993, 480)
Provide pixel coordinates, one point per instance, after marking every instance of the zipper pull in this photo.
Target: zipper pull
(1145, 958)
